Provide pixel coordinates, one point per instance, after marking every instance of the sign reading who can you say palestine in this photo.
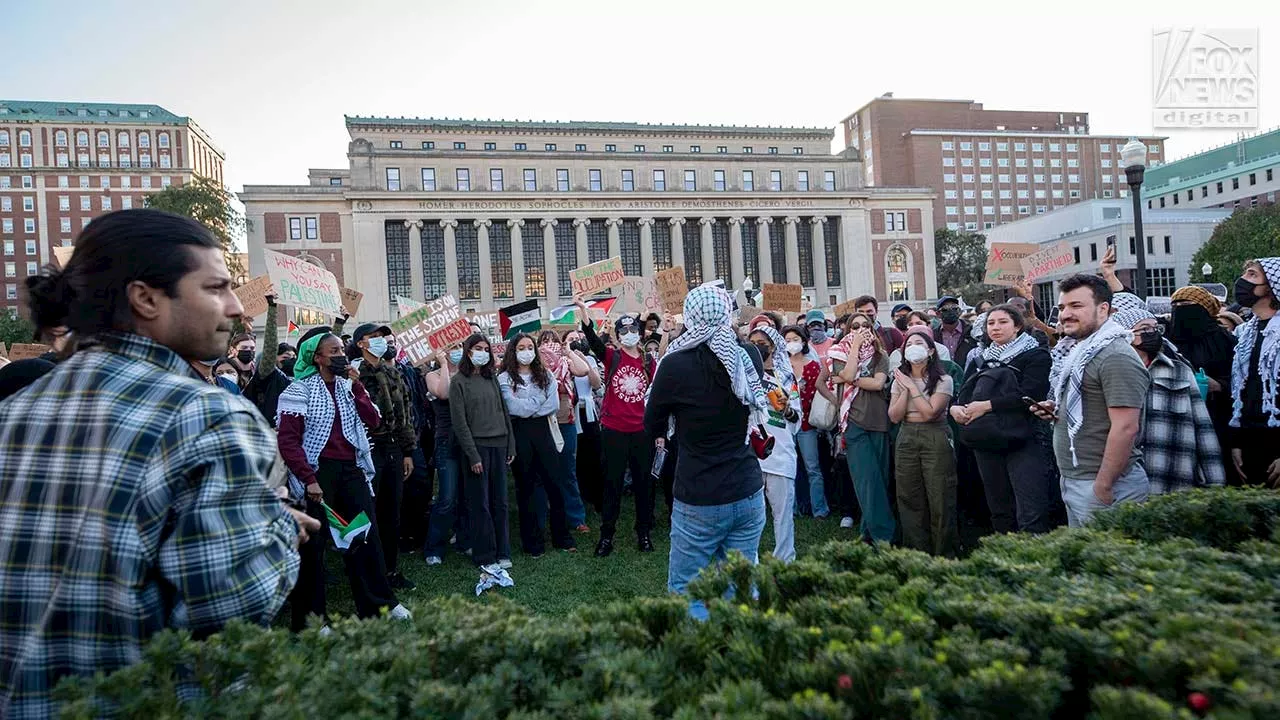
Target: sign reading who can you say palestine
(300, 284)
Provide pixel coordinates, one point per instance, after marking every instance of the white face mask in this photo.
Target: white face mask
(230, 376)
(794, 347)
(916, 354)
(630, 339)
(479, 358)
(525, 356)
(377, 346)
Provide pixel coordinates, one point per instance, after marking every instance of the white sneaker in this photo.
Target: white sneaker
(400, 612)
(504, 563)
(492, 569)
(846, 522)
(433, 560)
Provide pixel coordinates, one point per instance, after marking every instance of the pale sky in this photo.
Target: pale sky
(270, 81)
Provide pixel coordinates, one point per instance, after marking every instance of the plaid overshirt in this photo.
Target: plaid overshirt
(1180, 449)
(133, 498)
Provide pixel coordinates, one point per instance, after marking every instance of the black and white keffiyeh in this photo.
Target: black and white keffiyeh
(1069, 379)
(781, 359)
(707, 311)
(310, 400)
(1268, 359)
(1010, 350)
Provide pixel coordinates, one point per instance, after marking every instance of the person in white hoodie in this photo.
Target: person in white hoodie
(779, 468)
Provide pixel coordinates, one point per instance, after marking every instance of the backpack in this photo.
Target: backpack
(616, 359)
(997, 430)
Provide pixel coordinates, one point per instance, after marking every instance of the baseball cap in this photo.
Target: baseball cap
(624, 324)
(368, 329)
(900, 306)
(815, 316)
(946, 299)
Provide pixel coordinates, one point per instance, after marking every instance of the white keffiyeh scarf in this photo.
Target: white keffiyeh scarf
(1010, 350)
(707, 313)
(310, 400)
(1268, 360)
(1066, 387)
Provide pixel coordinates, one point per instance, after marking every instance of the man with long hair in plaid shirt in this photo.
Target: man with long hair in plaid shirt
(133, 494)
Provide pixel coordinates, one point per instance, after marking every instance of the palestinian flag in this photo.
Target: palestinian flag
(523, 317)
(345, 533)
(293, 328)
(568, 315)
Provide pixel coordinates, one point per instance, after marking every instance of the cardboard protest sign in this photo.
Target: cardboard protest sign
(638, 295)
(4, 354)
(26, 351)
(1047, 261)
(351, 300)
(417, 331)
(299, 284)
(488, 322)
(1004, 262)
(597, 277)
(786, 298)
(844, 308)
(253, 295)
(407, 305)
(672, 287)
(452, 334)
(63, 254)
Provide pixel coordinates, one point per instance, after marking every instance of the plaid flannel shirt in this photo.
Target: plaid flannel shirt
(1180, 448)
(133, 498)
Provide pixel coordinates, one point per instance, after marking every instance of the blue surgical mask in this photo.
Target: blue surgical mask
(377, 346)
(455, 356)
(479, 358)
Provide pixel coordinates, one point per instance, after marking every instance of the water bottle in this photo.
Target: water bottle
(1202, 381)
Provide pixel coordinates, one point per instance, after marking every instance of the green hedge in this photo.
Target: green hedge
(1171, 612)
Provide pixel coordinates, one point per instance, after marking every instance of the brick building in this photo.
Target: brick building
(64, 163)
(987, 166)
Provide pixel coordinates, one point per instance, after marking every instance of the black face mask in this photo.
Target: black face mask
(338, 365)
(1150, 343)
(949, 317)
(390, 354)
(581, 346)
(1191, 321)
(901, 323)
(1244, 293)
(286, 366)
(245, 356)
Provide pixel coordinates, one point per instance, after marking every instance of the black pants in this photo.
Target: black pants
(669, 475)
(345, 491)
(537, 470)
(1021, 486)
(590, 463)
(621, 451)
(415, 506)
(836, 468)
(1259, 448)
(486, 494)
(388, 484)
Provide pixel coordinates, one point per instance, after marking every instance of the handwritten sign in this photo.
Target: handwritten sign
(407, 305)
(1047, 261)
(63, 254)
(672, 287)
(26, 351)
(253, 295)
(449, 335)
(844, 308)
(786, 298)
(415, 330)
(300, 284)
(488, 322)
(597, 277)
(4, 354)
(1004, 262)
(351, 300)
(638, 295)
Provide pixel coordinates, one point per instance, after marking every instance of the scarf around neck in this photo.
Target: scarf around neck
(1070, 379)
(1010, 350)
(309, 399)
(707, 312)
(866, 355)
(1248, 335)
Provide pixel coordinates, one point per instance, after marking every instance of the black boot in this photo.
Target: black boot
(645, 544)
(604, 548)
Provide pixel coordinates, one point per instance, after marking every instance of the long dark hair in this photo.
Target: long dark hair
(466, 367)
(90, 295)
(933, 367)
(511, 366)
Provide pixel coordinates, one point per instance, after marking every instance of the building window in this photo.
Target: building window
(490, 146)
(64, 203)
(802, 180)
(295, 228)
(717, 180)
(747, 150)
(629, 246)
(668, 148)
(566, 256)
(126, 203)
(59, 138)
(966, 146)
(628, 180)
(313, 228)
(690, 180)
(695, 148)
(748, 180)
(399, 280)
(693, 270)
(750, 250)
(984, 162)
(722, 149)
(11, 269)
(1168, 245)
(896, 260)
(146, 182)
(593, 180)
(4, 138)
(949, 177)
(661, 233)
(467, 241)
(24, 138)
(495, 179)
(797, 150)
(462, 176)
(459, 146)
(144, 160)
(500, 269)
(597, 241)
(659, 180)
(393, 178)
(1235, 183)
(778, 250)
(535, 269)
(639, 148)
(104, 140)
(28, 203)
(1219, 187)
(549, 147)
(85, 203)
(1161, 282)
(948, 162)
(106, 202)
(1076, 254)
(611, 148)
(162, 139)
(580, 147)
(428, 179)
(428, 145)
(948, 145)
(966, 162)
(562, 180)
(530, 179)
(775, 180)
(434, 274)
(804, 251)
(397, 145)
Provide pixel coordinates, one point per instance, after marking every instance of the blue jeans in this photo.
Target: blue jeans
(1082, 503)
(445, 508)
(701, 534)
(807, 444)
(573, 507)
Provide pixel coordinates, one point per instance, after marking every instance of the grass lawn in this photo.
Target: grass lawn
(558, 581)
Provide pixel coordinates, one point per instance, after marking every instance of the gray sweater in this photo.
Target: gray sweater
(479, 415)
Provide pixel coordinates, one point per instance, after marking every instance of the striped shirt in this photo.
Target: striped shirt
(133, 498)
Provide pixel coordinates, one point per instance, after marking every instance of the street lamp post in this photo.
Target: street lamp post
(1134, 157)
(1207, 271)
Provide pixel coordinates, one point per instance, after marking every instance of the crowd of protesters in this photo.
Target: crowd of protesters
(157, 470)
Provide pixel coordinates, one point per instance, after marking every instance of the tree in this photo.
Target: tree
(208, 203)
(1246, 235)
(15, 329)
(961, 260)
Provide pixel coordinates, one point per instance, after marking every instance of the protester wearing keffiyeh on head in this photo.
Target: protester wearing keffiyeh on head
(707, 311)
(1267, 372)
(781, 360)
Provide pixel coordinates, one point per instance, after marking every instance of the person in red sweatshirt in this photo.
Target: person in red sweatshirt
(623, 442)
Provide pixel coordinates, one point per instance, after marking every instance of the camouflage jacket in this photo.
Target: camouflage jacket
(388, 391)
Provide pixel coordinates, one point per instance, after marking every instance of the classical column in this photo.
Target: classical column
(792, 249)
(415, 258)
(615, 243)
(764, 251)
(646, 246)
(819, 256)
(517, 257)
(580, 228)
(549, 260)
(735, 252)
(486, 262)
(677, 241)
(855, 252)
(450, 255)
(708, 250)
